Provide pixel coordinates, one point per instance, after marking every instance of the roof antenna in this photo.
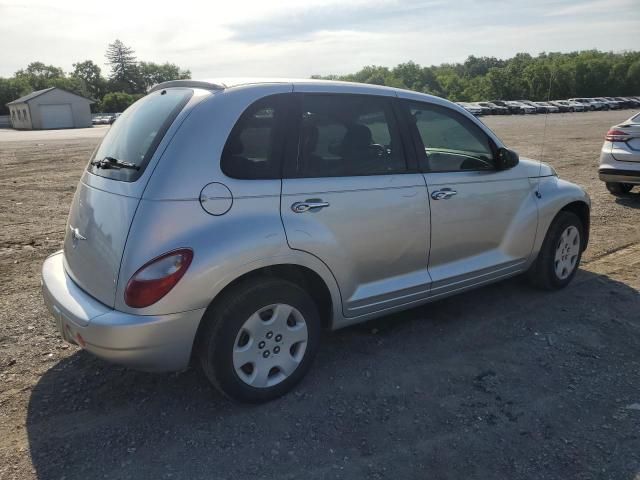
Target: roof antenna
(544, 131)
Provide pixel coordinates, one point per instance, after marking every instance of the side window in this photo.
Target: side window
(451, 141)
(348, 135)
(253, 149)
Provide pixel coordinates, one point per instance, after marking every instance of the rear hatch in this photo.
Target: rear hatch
(625, 140)
(108, 194)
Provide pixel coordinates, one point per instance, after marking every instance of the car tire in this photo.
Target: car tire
(249, 324)
(618, 189)
(562, 247)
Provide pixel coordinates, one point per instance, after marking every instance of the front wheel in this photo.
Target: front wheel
(259, 339)
(619, 188)
(560, 255)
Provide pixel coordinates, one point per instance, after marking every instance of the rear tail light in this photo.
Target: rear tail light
(156, 278)
(614, 135)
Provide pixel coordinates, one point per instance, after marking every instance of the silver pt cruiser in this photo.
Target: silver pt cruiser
(230, 221)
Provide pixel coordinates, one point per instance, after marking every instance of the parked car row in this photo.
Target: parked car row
(104, 119)
(513, 107)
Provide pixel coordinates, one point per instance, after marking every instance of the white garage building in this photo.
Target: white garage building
(50, 108)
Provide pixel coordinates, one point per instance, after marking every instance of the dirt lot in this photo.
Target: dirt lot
(502, 382)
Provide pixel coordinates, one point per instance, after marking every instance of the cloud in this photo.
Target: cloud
(283, 38)
(301, 23)
(594, 7)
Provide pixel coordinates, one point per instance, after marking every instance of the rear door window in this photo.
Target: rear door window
(135, 135)
(347, 135)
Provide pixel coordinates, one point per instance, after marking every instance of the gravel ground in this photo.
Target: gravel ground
(502, 382)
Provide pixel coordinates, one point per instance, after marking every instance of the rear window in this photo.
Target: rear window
(135, 135)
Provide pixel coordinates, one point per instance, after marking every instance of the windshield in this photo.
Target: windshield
(135, 136)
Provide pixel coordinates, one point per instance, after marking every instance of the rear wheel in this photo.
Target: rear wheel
(560, 255)
(619, 188)
(259, 340)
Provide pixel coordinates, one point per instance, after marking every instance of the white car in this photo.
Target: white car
(620, 157)
(571, 105)
(525, 107)
(548, 107)
(612, 104)
(590, 103)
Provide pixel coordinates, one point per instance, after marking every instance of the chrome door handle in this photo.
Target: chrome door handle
(443, 194)
(301, 207)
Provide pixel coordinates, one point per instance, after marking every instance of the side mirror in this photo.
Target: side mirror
(507, 159)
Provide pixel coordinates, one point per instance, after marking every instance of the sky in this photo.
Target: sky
(299, 38)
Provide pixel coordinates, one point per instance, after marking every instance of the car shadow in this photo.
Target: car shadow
(629, 200)
(492, 383)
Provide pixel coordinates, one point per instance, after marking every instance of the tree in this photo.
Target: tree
(452, 85)
(90, 76)
(479, 66)
(117, 101)
(10, 89)
(154, 73)
(38, 75)
(124, 68)
(430, 83)
(633, 78)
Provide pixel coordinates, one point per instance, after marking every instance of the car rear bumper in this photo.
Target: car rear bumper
(144, 342)
(619, 176)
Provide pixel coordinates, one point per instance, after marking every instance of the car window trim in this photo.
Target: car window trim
(421, 148)
(292, 155)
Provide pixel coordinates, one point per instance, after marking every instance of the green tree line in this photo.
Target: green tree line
(588, 73)
(128, 80)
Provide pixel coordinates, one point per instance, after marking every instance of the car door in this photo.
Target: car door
(350, 199)
(483, 220)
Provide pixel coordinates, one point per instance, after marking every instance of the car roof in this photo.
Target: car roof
(224, 83)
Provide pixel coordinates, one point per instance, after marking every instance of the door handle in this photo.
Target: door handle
(443, 194)
(301, 207)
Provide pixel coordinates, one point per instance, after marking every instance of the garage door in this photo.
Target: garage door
(56, 116)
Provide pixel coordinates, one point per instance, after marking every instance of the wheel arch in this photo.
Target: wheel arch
(583, 212)
(301, 275)
(557, 195)
(318, 283)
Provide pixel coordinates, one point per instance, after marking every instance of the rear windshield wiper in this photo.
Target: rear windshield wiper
(110, 162)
